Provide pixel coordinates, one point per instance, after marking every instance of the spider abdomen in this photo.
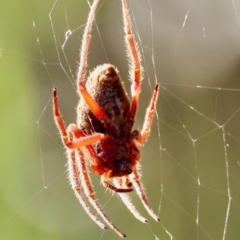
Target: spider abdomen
(106, 88)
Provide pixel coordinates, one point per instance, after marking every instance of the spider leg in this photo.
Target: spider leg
(126, 200)
(92, 156)
(88, 190)
(136, 75)
(135, 177)
(75, 183)
(85, 44)
(94, 106)
(143, 136)
(134, 59)
(83, 141)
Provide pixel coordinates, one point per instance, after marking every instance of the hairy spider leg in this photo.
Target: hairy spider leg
(135, 177)
(143, 136)
(141, 139)
(75, 183)
(136, 71)
(87, 187)
(85, 45)
(82, 91)
(134, 59)
(127, 201)
(84, 141)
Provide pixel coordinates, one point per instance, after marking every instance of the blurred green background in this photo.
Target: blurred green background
(190, 165)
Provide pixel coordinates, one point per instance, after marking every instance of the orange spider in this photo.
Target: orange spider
(103, 137)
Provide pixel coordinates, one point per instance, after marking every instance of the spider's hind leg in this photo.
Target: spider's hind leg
(88, 189)
(75, 183)
(126, 200)
(135, 178)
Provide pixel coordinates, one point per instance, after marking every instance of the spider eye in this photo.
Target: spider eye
(122, 166)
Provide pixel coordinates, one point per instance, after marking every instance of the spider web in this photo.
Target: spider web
(190, 164)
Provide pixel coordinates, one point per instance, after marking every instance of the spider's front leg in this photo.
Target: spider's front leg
(93, 105)
(81, 140)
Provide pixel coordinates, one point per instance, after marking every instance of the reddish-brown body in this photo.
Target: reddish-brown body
(118, 154)
(103, 137)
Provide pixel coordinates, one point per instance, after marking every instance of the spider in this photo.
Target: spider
(103, 139)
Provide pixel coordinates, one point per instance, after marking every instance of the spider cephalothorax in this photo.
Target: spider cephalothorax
(103, 137)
